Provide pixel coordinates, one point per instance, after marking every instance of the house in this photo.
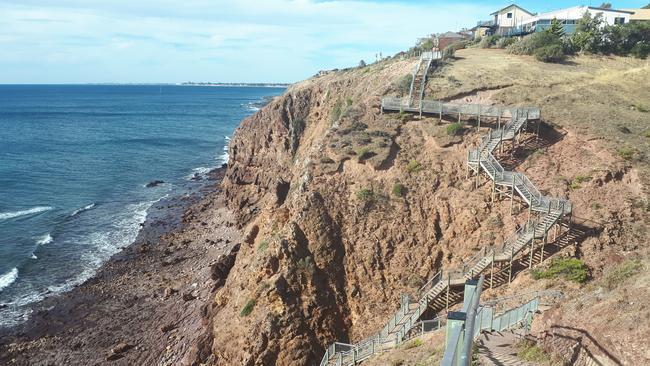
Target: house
(449, 38)
(482, 29)
(639, 15)
(569, 18)
(509, 19)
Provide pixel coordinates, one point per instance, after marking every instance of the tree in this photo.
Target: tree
(646, 7)
(556, 28)
(588, 35)
(362, 63)
(605, 5)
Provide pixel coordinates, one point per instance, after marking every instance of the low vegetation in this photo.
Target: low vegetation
(531, 352)
(403, 85)
(624, 271)
(413, 166)
(414, 343)
(264, 244)
(248, 308)
(399, 190)
(365, 194)
(592, 35)
(454, 129)
(572, 269)
(337, 110)
(626, 153)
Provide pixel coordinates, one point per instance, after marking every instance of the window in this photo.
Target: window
(509, 15)
(618, 20)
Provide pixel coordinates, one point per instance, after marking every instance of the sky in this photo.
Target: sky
(170, 41)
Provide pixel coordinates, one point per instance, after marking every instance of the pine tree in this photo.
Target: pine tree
(556, 28)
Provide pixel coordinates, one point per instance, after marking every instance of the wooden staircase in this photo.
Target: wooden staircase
(436, 294)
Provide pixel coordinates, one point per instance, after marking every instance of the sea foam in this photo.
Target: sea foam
(82, 209)
(31, 211)
(45, 239)
(8, 278)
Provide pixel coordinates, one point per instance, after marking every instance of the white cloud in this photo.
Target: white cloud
(245, 40)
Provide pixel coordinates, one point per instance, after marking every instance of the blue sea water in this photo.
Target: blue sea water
(74, 162)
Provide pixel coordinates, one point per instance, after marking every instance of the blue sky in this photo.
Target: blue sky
(79, 41)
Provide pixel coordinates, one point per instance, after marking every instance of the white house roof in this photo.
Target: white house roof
(575, 13)
(512, 6)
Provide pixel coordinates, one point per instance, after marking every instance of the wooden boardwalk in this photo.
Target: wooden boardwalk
(548, 217)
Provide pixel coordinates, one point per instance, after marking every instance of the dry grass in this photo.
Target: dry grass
(598, 97)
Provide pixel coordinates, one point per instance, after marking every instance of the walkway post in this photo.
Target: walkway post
(479, 119)
(543, 244)
(440, 110)
(494, 187)
(532, 247)
(512, 253)
(512, 196)
(499, 119)
(492, 271)
(448, 285)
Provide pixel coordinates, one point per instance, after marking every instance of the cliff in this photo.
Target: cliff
(344, 208)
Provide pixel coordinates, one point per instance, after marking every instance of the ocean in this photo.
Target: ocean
(75, 161)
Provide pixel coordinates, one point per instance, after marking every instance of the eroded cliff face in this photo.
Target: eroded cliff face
(345, 208)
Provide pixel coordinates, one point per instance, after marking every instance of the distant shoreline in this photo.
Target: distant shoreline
(243, 85)
(249, 85)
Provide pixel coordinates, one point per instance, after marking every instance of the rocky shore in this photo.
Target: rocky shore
(150, 304)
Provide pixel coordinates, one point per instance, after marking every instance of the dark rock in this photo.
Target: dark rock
(154, 183)
(188, 296)
(167, 327)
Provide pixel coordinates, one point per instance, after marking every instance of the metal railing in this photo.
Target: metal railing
(402, 324)
(460, 340)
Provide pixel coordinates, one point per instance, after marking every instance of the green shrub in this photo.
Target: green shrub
(264, 244)
(399, 190)
(366, 195)
(358, 126)
(531, 352)
(348, 101)
(485, 43)
(571, 269)
(582, 179)
(454, 128)
(626, 153)
(413, 166)
(306, 265)
(448, 52)
(640, 50)
(532, 42)
(326, 160)
(626, 270)
(337, 110)
(553, 53)
(365, 154)
(298, 125)
(640, 108)
(505, 42)
(414, 343)
(248, 308)
(403, 85)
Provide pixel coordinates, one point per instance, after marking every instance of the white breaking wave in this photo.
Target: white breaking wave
(224, 156)
(8, 278)
(31, 211)
(80, 210)
(201, 171)
(45, 239)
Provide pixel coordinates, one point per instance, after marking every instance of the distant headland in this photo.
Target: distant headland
(256, 85)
